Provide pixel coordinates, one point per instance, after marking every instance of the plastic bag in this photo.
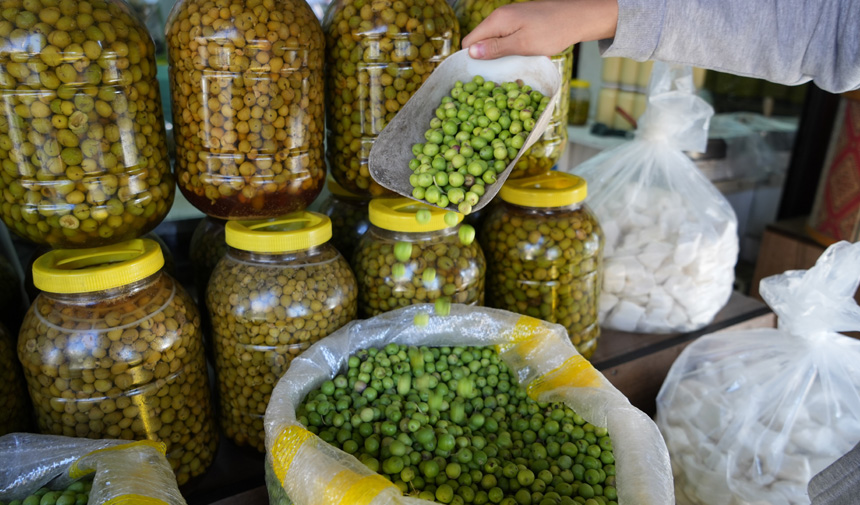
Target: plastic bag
(671, 237)
(123, 472)
(750, 416)
(539, 353)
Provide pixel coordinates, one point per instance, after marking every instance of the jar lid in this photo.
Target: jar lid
(398, 214)
(67, 271)
(337, 190)
(578, 83)
(553, 189)
(294, 232)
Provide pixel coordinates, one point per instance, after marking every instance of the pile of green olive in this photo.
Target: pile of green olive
(76, 494)
(122, 365)
(545, 153)
(83, 153)
(266, 310)
(247, 89)
(378, 53)
(546, 264)
(478, 130)
(452, 425)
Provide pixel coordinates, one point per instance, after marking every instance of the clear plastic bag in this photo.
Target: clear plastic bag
(671, 237)
(122, 472)
(544, 360)
(750, 416)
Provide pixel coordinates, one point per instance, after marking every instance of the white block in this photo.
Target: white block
(654, 254)
(625, 316)
(606, 302)
(614, 275)
(611, 232)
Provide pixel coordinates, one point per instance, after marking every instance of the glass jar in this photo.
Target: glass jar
(281, 287)
(545, 153)
(206, 250)
(15, 414)
(82, 142)
(349, 220)
(246, 79)
(545, 254)
(112, 348)
(400, 262)
(578, 102)
(378, 53)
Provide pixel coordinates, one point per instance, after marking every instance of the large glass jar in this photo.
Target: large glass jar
(112, 348)
(378, 53)
(545, 255)
(246, 79)
(349, 220)
(15, 414)
(400, 262)
(206, 250)
(280, 288)
(82, 142)
(545, 153)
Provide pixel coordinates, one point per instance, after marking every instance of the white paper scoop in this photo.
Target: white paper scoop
(392, 149)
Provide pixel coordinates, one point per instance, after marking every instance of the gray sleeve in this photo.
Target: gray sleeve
(784, 41)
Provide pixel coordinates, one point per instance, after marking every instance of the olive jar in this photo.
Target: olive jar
(378, 53)
(246, 80)
(15, 414)
(545, 153)
(545, 252)
(206, 250)
(281, 287)
(349, 219)
(401, 261)
(82, 139)
(112, 348)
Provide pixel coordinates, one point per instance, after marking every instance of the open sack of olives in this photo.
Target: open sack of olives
(49, 469)
(478, 406)
(393, 150)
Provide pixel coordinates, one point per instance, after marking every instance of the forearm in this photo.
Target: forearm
(786, 41)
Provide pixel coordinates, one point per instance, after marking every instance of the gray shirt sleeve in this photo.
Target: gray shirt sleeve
(784, 41)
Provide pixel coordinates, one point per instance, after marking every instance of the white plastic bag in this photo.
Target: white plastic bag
(750, 416)
(122, 472)
(671, 237)
(540, 354)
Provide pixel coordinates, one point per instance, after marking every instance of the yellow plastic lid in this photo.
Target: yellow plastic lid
(294, 232)
(398, 214)
(553, 189)
(579, 83)
(67, 271)
(341, 192)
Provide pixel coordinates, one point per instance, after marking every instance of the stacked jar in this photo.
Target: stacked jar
(378, 53)
(545, 251)
(401, 261)
(15, 414)
(281, 287)
(545, 153)
(82, 141)
(246, 79)
(205, 251)
(111, 348)
(349, 219)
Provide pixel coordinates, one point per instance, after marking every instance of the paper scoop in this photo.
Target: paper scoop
(392, 150)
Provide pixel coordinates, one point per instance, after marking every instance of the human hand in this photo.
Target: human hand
(543, 27)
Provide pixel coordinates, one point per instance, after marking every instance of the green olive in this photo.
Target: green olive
(247, 89)
(545, 153)
(266, 309)
(378, 54)
(123, 364)
(57, 98)
(546, 263)
(458, 270)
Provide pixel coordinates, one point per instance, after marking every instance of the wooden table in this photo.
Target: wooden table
(636, 364)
